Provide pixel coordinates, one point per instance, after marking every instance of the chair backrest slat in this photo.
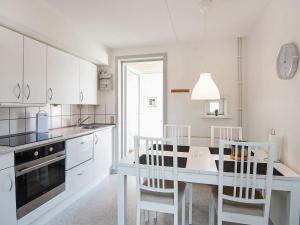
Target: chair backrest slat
(235, 169)
(147, 161)
(182, 133)
(248, 171)
(162, 167)
(254, 174)
(241, 172)
(245, 177)
(225, 133)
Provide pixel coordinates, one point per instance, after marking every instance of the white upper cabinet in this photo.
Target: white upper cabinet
(62, 77)
(35, 71)
(88, 83)
(11, 66)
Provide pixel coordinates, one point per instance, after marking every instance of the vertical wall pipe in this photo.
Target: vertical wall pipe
(240, 80)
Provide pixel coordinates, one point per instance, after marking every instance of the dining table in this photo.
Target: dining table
(200, 166)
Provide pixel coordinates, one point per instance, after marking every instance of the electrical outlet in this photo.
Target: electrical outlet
(112, 119)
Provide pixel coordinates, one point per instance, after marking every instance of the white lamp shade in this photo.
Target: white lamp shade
(205, 88)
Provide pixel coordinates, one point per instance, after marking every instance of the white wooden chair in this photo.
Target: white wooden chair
(182, 133)
(154, 192)
(241, 202)
(225, 133)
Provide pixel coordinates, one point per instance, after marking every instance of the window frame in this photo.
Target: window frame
(222, 107)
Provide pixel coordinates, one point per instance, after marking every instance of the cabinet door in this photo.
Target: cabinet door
(102, 153)
(88, 83)
(62, 77)
(79, 150)
(79, 178)
(35, 69)
(11, 66)
(7, 196)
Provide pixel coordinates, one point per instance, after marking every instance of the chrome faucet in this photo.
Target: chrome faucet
(81, 121)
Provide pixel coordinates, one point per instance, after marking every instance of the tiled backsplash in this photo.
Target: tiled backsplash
(23, 119)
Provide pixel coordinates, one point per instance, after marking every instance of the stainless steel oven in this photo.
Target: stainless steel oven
(40, 176)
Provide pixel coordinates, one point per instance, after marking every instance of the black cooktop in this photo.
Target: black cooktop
(25, 138)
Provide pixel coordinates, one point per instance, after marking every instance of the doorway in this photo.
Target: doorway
(142, 100)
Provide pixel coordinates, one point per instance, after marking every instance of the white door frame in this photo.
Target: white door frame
(121, 91)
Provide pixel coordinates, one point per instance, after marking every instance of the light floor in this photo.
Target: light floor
(99, 207)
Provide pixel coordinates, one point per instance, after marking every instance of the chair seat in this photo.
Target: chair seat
(238, 207)
(163, 198)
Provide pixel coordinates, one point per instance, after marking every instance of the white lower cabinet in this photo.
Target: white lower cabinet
(79, 178)
(103, 144)
(7, 197)
(79, 150)
(88, 161)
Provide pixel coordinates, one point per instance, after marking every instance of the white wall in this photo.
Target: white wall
(274, 103)
(151, 85)
(36, 19)
(185, 63)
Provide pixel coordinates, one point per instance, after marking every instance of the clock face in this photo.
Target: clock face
(287, 61)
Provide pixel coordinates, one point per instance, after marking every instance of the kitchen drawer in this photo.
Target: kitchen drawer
(79, 177)
(79, 150)
(7, 160)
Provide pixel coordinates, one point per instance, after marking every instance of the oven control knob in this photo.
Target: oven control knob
(36, 153)
(51, 149)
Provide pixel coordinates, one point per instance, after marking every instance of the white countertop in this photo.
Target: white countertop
(64, 133)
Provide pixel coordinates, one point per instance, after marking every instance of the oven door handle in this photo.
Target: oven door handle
(40, 165)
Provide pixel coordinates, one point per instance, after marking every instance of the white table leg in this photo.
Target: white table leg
(122, 199)
(294, 208)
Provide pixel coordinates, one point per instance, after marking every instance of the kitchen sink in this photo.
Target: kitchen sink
(92, 126)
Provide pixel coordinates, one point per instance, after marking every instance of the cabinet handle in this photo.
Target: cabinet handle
(81, 96)
(96, 139)
(82, 142)
(8, 185)
(50, 96)
(80, 174)
(28, 88)
(19, 91)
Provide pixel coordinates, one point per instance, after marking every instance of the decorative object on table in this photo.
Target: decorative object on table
(239, 153)
(287, 61)
(205, 88)
(216, 112)
(41, 122)
(105, 79)
(277, 141)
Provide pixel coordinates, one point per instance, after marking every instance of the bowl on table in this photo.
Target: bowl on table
(239, 151)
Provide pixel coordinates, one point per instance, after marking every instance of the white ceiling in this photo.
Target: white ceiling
(133, 23)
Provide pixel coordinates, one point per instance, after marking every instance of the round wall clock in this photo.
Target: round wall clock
(287, 61)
